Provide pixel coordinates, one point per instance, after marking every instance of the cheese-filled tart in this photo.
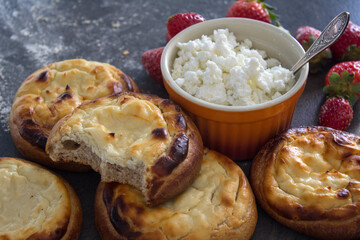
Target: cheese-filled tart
(54, 91)
(218, 205)
(139, 139)
(36, 204)
(309, 179)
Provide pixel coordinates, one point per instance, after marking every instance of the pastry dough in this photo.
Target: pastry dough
(309, 179)
(133, 138)
(36, 204)
(54, 91)
(218, 205)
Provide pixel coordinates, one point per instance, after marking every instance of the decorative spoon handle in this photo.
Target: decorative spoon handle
(329, 35)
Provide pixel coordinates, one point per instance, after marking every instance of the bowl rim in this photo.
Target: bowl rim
(165, 69)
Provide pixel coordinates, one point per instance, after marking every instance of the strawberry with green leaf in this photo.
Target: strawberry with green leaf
(306, 36)
(254, 9)
(343, 80)
(342, 90)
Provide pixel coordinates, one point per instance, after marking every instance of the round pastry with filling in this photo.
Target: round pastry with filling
(138, 139)
(218, 205)
(54, 91)
(36, 204)
(309, 180)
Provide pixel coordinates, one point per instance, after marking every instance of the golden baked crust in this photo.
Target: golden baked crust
(309, 179)
(54, 91)
(218, 205)
(36, 204)
(132, 138)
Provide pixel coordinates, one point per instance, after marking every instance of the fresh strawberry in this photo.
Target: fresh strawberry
(178, 22)
(342, 93)
(343, 80)
(336, 113)
(255, 9)
(306, 36)
(347, 47)
(151, 62)
(167, 36)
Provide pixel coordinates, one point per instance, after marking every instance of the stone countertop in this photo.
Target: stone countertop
(35, 33)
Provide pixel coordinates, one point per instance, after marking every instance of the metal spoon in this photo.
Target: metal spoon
(329, 35)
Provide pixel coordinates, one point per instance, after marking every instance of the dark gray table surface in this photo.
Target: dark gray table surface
(36, 33)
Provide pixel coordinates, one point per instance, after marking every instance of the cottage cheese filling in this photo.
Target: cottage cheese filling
(220, 70)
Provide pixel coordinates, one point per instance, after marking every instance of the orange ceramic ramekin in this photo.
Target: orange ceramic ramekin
(239, 131)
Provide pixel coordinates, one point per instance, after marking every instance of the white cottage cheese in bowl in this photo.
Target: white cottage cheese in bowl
(220, 70)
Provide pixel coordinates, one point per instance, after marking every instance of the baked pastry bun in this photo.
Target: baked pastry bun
(54, 91)
(218, 205)
(309, 180)
(138, 139)
(36, 204)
